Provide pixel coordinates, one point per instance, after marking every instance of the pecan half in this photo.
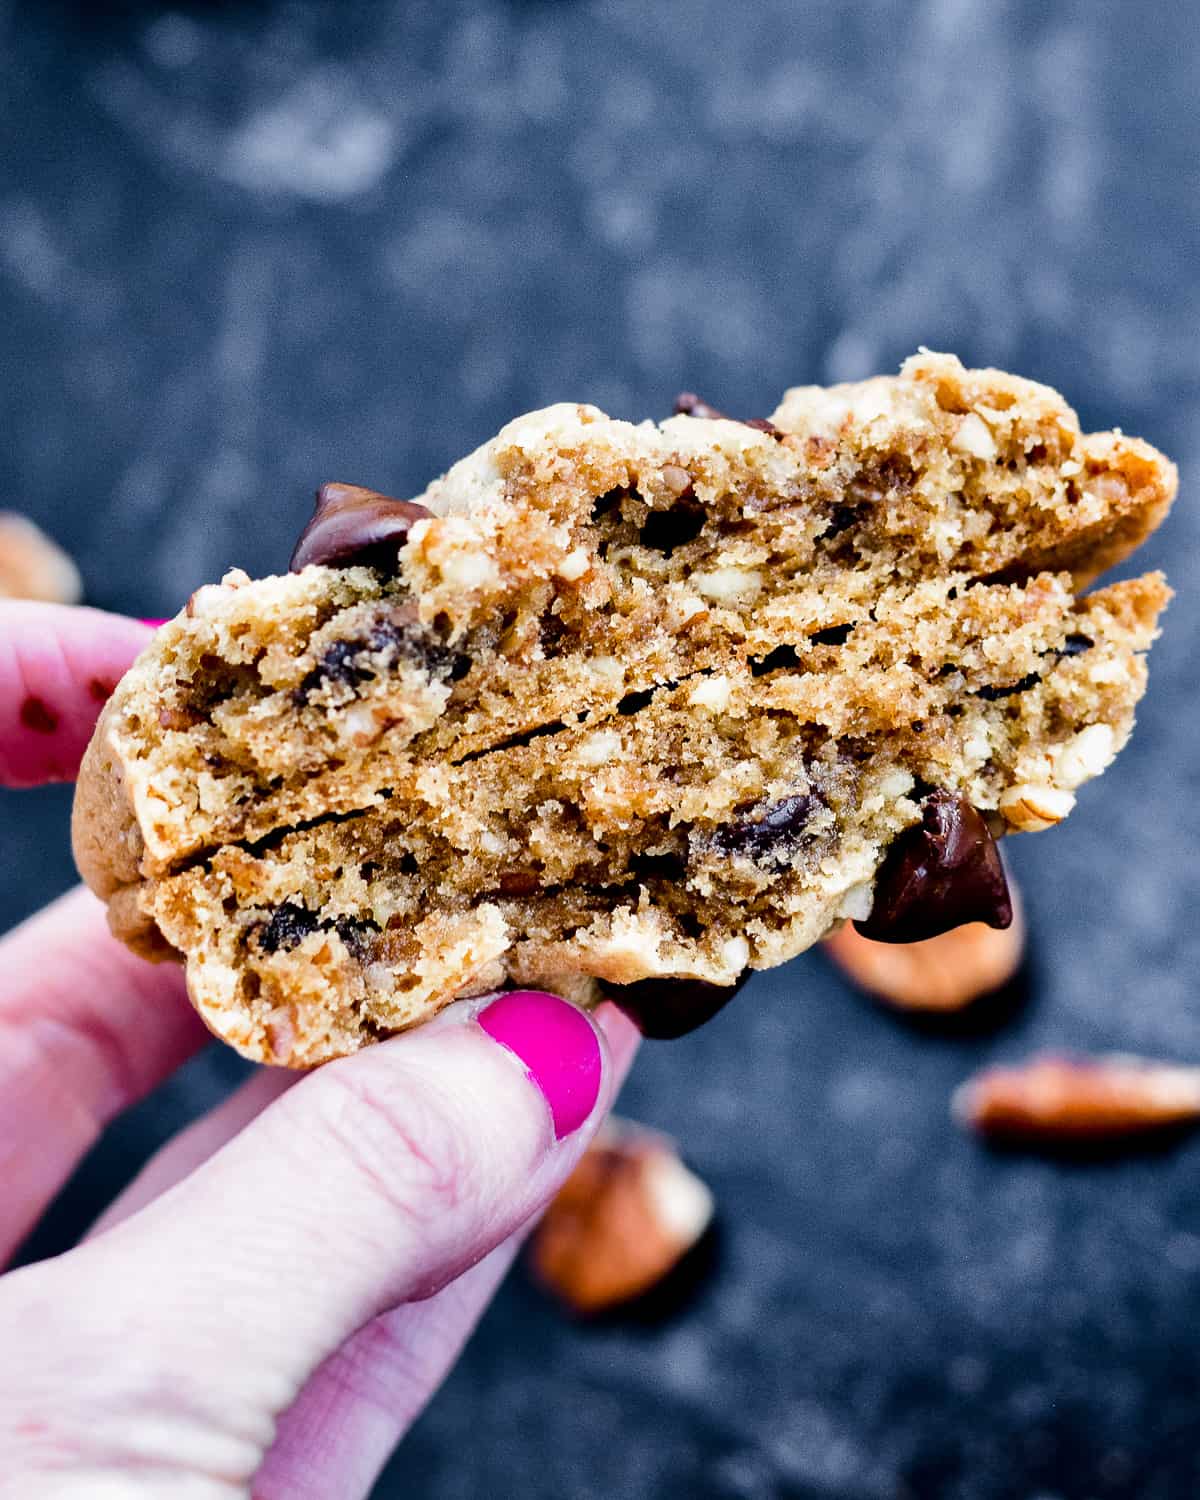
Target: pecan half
(1062, 1100)
(622, 1222)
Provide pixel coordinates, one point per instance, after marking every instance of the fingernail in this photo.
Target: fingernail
(154, 623)
(558, 1047)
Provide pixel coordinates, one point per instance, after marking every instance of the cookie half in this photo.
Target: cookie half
(629, 709)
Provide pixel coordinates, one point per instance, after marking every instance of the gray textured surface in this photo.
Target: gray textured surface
(244, 248)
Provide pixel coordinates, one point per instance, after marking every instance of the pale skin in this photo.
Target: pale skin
(268, 1307)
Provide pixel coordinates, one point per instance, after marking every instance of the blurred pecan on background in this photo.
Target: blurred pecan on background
(623, 1222)
(1061, 1100)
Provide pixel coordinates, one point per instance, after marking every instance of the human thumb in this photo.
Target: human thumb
(373, 1182)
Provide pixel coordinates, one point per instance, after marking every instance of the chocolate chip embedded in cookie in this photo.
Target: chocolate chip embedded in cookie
(629, 709)
(354, 525)
(769, 833)
(664, 1009)
(944, 872)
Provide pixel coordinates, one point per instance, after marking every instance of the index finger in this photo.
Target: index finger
(58, 666)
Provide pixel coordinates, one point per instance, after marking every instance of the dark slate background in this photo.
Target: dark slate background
(248, 247)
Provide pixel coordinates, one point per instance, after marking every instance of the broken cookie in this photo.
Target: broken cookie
(629, 711)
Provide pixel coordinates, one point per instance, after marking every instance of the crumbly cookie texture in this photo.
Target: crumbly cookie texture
(619, 706)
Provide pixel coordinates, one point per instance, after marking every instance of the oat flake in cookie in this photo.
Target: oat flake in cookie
(629, 710)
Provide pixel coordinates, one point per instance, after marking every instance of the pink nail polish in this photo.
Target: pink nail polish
(154, 623)
(556, 1043)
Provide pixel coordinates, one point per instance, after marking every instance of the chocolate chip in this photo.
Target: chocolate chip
(938, 875)
(832, 635)
(768, 834)
(38, 716)
(355, 932)
(774, 661)
(354, 525)
(760, 424)
(519, 883)
(665, 530)
(1076, 644)
(991, 694)
(289, 925)
(394, 637)
(663, 1009)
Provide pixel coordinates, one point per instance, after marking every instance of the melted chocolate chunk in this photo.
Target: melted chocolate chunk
(290, 924)
(938, 875)
(991, 694)
(398, 636)
(1076, 644)
(663, 1009)
(355, 932)
(773, 835)
(353, 525)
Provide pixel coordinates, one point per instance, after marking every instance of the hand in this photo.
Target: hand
(272, 1302)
